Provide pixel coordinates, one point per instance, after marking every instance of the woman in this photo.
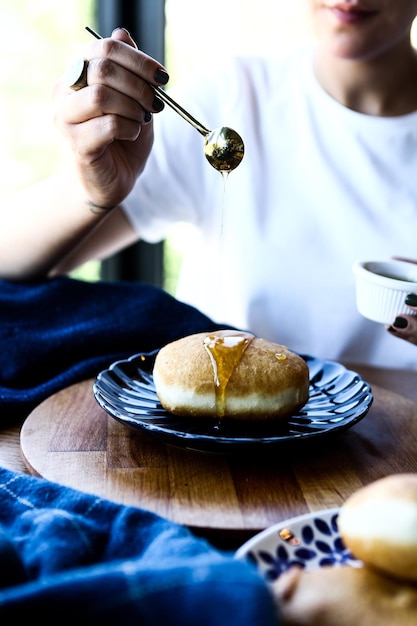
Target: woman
(328, 177)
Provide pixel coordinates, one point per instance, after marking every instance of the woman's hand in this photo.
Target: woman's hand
(405, 326)
(344, 596)
(108, 123)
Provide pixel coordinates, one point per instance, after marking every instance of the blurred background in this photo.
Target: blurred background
(40, 38)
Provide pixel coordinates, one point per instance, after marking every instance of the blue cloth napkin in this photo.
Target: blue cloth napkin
(67, 555)
(56, 332)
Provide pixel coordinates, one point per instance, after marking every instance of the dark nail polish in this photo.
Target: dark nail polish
(157, 104)
(161, 76)
(147, 117)
(411, 299)
(400, 322)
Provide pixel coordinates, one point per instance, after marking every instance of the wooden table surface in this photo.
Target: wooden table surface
(71, 440)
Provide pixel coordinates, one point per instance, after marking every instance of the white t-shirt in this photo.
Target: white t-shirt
(320, 186)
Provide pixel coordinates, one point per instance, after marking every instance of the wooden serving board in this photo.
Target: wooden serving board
(69, 439)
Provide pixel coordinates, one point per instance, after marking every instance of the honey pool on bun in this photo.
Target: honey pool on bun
(232, 374)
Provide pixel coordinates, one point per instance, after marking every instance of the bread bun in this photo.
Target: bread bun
(378, 524)
(230, 374)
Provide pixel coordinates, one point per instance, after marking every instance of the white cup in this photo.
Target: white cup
(381, 289)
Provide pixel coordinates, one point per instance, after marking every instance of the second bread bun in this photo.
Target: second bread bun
(378, 524)
(230, 374)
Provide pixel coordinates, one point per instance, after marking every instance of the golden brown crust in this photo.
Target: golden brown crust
(378, 524)
(269, 380)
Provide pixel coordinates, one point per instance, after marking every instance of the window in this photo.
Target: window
(37, 41)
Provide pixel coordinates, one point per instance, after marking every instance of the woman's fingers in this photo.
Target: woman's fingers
(135, 61)
(96, 134)
(118, 83)
(110, 89)
(107, 122)
(123, 35)
(405, 326)
(97, 100)
(344, 596)
(110, 74)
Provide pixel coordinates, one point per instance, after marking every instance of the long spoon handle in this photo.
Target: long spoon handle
(184, 114)
(168, 100)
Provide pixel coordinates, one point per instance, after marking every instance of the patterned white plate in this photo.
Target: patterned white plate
(309, 541)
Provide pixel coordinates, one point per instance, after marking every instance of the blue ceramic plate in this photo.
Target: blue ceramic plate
(338, 399)
(309, 541)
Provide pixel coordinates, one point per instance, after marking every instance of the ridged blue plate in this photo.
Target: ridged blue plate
(339, 398)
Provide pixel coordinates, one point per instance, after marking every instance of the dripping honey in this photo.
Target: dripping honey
(225, 349)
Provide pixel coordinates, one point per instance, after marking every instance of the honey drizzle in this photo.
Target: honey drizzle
(225, 176)
(225, 349)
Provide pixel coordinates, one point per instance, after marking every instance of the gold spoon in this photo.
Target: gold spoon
(223, 147)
